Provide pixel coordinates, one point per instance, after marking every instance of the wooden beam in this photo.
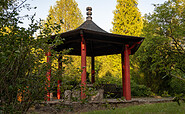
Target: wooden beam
(92, 70)
(127, 73)
(48, 75)
(83, 67)
(59, 81)
(123, 74)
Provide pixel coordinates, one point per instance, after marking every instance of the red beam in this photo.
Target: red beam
(135, 44)
(127, 73)
(123, 74)
(48, 75)
(58, 89)
(83, 67)
(59, 81)
(92, 70)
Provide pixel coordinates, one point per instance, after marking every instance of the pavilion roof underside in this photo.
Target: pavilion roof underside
(97, 42)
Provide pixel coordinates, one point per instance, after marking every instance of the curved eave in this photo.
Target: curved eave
(98, 43)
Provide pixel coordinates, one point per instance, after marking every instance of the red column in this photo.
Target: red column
(127, 73)
(58, 89)
(83, 67)
(59, 81)
(123, 74)
(48, 75)
(92, 70)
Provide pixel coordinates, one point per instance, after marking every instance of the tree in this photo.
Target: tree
(127, 21)
(127, 18)
(22, 71)
(5, 4)
(162, 54)
(109, 64)
(66, 12)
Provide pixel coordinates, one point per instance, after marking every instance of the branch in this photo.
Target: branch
(177, 77)
(181, 69)
(20, 5)
(176, 42)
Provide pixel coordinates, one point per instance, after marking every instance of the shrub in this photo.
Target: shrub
(139, 90)
(177, 86)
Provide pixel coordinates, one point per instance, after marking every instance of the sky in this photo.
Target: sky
(102, 10)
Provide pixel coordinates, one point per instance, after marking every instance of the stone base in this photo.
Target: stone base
(77, 107)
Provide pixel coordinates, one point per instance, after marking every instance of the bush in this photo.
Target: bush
(139, 90)
(109, 80)
(23, 70)
(177, 86)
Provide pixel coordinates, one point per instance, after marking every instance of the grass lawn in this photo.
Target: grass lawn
(160, 108)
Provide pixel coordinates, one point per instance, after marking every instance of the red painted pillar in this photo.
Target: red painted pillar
(123, 74)
(59, 81)
(92, 70)
(127, 73)
(83, 67)
(48, 75)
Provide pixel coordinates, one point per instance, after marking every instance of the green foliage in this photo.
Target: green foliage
(5, 4)
(89, 92)
(23, 71)
(127, 21)
(109, 63)
(139, 90)
(178, 86)
(178, 98)
(165, 94)
(71, 73)
(108, 78)
(127, 18)
(109, 81)
(162, 54)
(66, 12)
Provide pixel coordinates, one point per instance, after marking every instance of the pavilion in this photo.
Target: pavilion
(90, 40)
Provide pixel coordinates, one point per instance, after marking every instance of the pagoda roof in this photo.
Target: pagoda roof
(98, 41)
(90, 25)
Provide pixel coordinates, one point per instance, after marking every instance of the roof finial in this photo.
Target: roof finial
(89, 13)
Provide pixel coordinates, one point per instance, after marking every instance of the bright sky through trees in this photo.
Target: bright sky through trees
(102, 9)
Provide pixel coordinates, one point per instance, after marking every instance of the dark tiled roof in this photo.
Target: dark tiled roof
(98, 41)
(90, 25)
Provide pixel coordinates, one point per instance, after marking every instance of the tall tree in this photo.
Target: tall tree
(127, 21)
(68, 15)
(22, 71)
(66, 12)
(127, 18)
(162, 55)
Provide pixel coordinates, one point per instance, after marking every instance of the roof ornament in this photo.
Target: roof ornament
(89, 13)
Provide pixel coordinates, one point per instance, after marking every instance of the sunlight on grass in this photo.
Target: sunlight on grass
(164, 108)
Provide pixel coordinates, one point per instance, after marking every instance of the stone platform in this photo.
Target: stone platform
(60, 106)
